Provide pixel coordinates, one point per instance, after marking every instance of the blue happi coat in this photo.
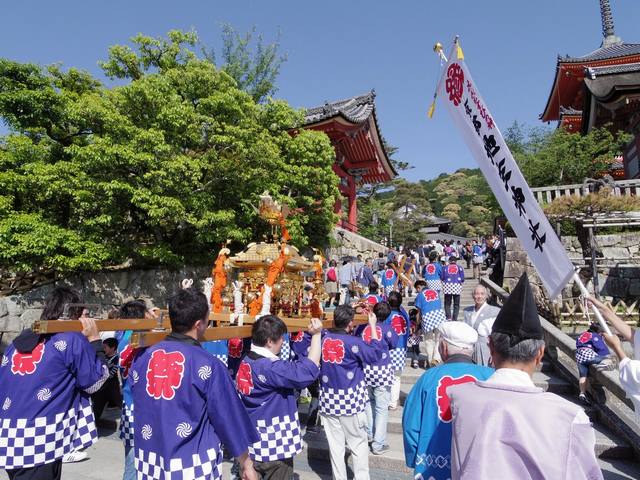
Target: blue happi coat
(267, 389)
(426, 419)
(343, 390)
(432, 274)
(45, 409)
(186, 406)
(379, 373)
(399, 321)
(388, 280)
(126, 356)
(452, 279)
(431, 312)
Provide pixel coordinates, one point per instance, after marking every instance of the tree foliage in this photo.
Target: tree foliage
(159, 170)
(555, 157)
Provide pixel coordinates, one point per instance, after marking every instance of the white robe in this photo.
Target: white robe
(630, 375)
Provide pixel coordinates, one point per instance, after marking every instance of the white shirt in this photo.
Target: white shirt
(265, 352)
(485, 326)
(515, 377)
(630, 375)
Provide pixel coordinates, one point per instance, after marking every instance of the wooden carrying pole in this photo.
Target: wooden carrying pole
(148, 332)
(585, 293)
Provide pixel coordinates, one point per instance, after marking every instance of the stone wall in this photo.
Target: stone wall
(348, 243)
(108, 289)
(618, 265)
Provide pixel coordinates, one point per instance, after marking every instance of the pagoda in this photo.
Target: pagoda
(361, 158)
(600, 88)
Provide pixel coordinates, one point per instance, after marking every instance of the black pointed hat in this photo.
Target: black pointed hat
(518, 316)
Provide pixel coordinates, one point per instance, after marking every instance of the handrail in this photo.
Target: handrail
(615, 409)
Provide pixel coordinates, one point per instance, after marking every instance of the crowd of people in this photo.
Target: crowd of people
(475, 412)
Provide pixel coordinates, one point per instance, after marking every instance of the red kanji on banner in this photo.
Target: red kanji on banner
(164, 374)
(332, 350)
(244, 381)
(26, 363)
(455, 83)
(444, 404)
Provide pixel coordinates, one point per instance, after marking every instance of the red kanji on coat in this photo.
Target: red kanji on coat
(389, 274)
(164, 374)
(399, 324)
(244, 381)
(235, 347)
(366, 333)
(455, 83)
(297, 337)
(26, 363)
(333, 350)
(430, 295)
(452, 269)
(126, 360)
(372, 300)
(585, 337)
(444, 403)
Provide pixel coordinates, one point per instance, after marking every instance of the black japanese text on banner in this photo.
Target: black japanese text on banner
(481, 134)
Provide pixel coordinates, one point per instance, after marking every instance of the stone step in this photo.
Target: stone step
(393, 460)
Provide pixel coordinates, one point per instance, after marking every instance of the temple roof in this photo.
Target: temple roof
(352, 126)
(355, 109)
(594, 72)
(605, 53)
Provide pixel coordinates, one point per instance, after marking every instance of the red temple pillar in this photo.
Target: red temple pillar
(353, 208)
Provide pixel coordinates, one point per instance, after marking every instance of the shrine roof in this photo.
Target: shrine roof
(594, 72)
(355, 109)
(605, 53)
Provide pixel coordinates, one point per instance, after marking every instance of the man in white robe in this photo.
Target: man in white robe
(481, 317)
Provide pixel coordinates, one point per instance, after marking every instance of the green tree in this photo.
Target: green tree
(159, 170)
(555, 157)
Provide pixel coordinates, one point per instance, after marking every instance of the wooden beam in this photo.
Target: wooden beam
(106, 325)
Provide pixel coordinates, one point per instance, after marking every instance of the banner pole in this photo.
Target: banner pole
(596, 312)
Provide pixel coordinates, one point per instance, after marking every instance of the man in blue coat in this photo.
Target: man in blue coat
(426, 421)
(186, 405)
(266, 385)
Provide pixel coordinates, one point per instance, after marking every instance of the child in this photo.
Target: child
(389, 277)
(379, 378)
(590, 350)
(372, 297)
(109, 393)
(398, 319)
(413, 343)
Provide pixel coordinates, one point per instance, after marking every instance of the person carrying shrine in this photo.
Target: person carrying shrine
(45, 384)
(398, 319)
(432, 272)
(505, 426)
(426, 419)
(452, 279)
(186, 405)
(389, 278)
(266, 385)
(379, 378)
(343, 392)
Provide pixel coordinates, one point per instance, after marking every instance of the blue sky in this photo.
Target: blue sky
(337, 49)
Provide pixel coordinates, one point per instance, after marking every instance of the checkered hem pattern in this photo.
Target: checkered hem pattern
(398, 358)
(222, 358)
(199, 466)
(585, 354)
(452, 288)
(432, 320)
(434, 285)
(26, 443)
(279, 439)
(285, 351)
(125, 429)
(339, 402)
(388, 289)
(378, 375)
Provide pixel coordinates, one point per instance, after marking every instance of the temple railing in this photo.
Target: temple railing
(613, 407)
(548, 194)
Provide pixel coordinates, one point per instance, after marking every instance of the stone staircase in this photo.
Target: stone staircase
(616, 457)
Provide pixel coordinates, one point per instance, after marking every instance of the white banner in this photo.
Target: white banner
(481, 134)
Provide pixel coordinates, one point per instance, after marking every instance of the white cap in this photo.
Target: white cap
(458, 334)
